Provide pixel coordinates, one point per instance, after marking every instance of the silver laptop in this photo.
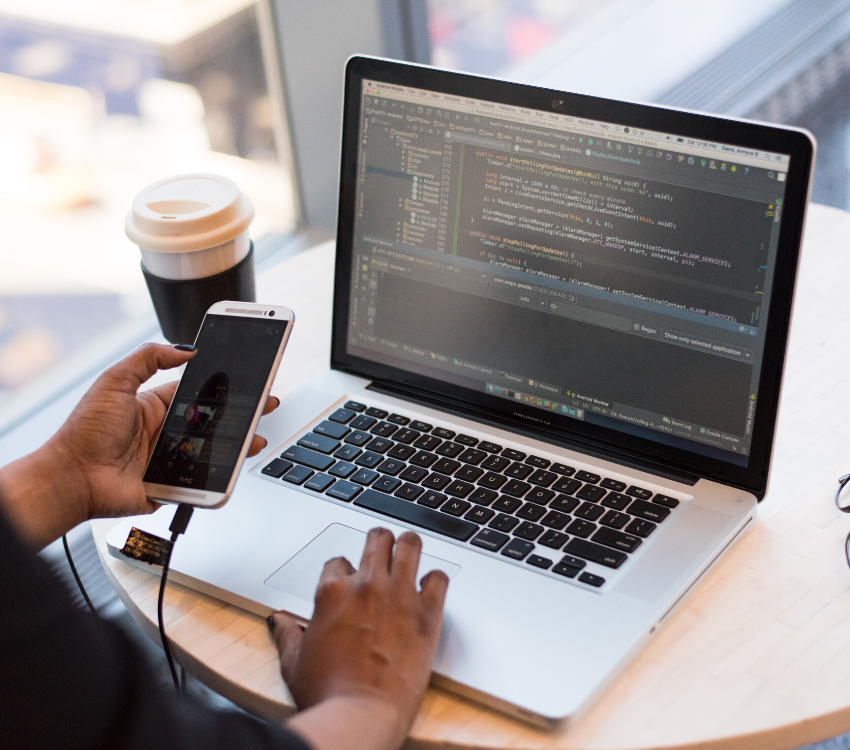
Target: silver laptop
(558, 337)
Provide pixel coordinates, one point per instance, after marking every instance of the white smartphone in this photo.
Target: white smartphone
(206, 433)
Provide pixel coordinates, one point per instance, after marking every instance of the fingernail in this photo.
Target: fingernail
(270, 621)
(185, 347)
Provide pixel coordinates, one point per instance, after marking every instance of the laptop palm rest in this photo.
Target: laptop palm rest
(299, 575)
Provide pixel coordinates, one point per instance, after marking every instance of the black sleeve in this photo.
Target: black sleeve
(70, 680)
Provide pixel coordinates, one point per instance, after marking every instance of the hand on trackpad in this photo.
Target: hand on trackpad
(299, 575)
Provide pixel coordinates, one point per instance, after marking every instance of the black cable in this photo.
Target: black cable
(77, 575)
(178, 526)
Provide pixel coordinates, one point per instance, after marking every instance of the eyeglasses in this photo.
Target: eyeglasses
(842, 483)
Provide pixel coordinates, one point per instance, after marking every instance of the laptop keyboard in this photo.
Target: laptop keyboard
(548, 515)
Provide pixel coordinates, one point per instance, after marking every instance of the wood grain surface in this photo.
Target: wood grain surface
(757, 656)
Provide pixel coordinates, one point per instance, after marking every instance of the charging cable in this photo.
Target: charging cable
(178, 526)
(76, 575)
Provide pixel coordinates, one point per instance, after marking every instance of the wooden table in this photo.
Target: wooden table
(758, 655)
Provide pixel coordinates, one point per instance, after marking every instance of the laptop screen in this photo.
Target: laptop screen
(609, 274)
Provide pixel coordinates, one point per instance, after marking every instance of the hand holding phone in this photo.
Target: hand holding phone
(209, 425)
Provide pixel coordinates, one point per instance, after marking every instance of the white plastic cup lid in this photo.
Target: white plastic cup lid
(187, 213)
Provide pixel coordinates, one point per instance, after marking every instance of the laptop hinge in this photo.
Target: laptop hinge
(480, 414)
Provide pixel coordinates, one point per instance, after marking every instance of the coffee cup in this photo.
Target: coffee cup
(192, 231)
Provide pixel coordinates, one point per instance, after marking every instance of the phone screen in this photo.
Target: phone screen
(216, 400)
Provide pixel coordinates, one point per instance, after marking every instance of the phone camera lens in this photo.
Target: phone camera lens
(271, 313)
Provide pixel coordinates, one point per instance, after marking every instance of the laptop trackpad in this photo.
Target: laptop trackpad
(299, 575)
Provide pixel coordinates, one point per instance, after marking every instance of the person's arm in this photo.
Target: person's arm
(93, 466)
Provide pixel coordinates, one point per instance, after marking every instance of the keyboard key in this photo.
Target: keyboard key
(562, 569)
(319, 443)
(576, 562)
(518, 549)
(364, 476)
(358, 438)
(542, 478)
(513, 455)
(519, 471)
(446, 466)
(492, 481)
(472, 456)
(581, 528)
(332, 429)
(417, 515)
(387, 484)
(377, 413)
(297, 475)
(432, 499)
(307, 457)
(398, 419)
(615, 520)
(347, 453)
(479, 514)
(449, 449)
(613, 484)
(277, 468)
(563, 469)
(506, 504)
(495, 463)
(528, 530)
(427, 442)
(384, 429)
(319, 482)
(589, 512)
(413, 474)
(617, 539)
(489, 539)
(468, 473)
(486, 445)
(564, 503)
(539, 495)
(516, 488)
(553, 539)
(555, 520)
(436, 481)
(343, 490)
(567, 486)
(596, 553)
(586, 476)
(459, 489)
(456, 507)
(342, 469)
(503, 522)
(362, 422)
(641, 528)
(423, 458)
(466, 440)
(639, 492)
(409, 491)
(406, 436)
(402, 452)
(391, 466)
(482, 496)
(667, 502)
(379, 445)
(369, 460)
(355, 406)
(538, 462)
(616, 500)
(539, 562)
(589, 492)
(642, 509)
(531, 512)
(420, 426)
(442, 432)
(592, 579)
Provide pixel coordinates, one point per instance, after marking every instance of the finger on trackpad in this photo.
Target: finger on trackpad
(299, 575)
